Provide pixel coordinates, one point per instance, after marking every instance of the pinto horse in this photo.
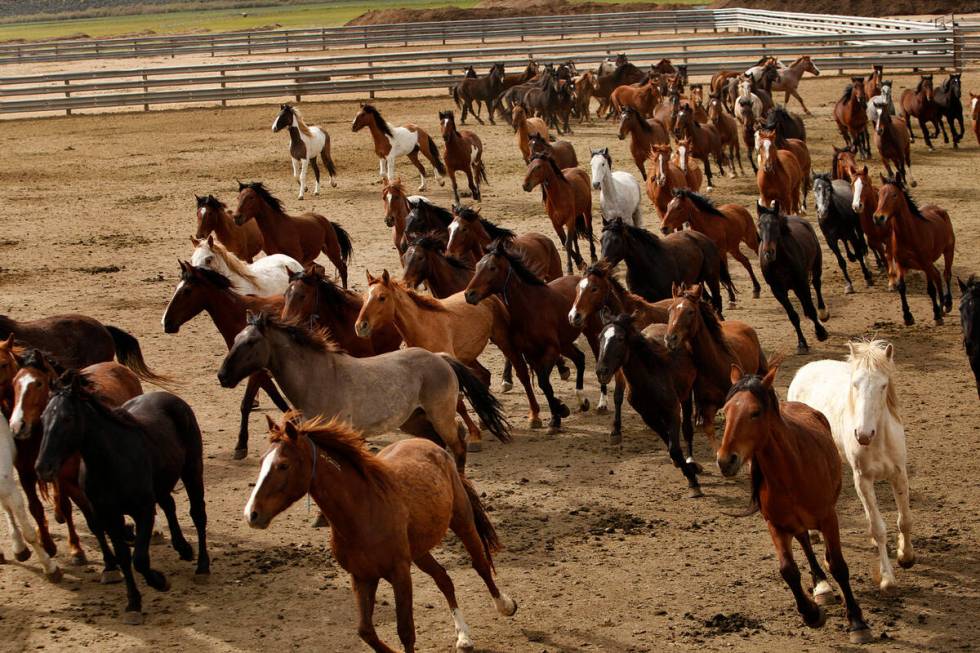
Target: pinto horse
(917, 237)
(386, 512)
(851, 115)
(921, 104)
(306, 143)
(392, 142)
(796, 481)
(780, 177)
(463, 153)
(213, 216)
(568, 201)
(266, 277)
(302, 237)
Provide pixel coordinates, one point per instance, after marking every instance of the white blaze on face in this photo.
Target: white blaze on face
(607, 336)
(453, 228)
(856, 203)
(17, 417)
(682, 155)
(973, 103)
(766, 146)
(201, 211)
(263, 473)
(176, 290)
(663, 167)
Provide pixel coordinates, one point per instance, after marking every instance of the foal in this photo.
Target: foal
(463, 153)
(306, 143)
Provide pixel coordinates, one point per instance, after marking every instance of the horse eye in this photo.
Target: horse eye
(594, 289)
(282, 466)
(755, 414)
(382, 298)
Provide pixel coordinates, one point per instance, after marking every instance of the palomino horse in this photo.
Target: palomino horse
(970, 321)
(568, 201)
(662, 177)
(413, 494)
(463, 153)
(479, 89)
(470, 234)
(705, 142)
(894, 144)
(839, 222)
(780, 177)
(917, 237)
(392, 142)
(318, 379)
(692, 171)
(851, 115)
(134, 455)
(301, 237)
(448, 325)
(524, 127)
(858, 398)
(267, 276)
(727, 225)
(796, 481)
(306, 143)
(644, 134)
(213, 216)
(921, 104)
(619, 191)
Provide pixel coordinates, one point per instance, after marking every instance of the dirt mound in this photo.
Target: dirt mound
(858, 7)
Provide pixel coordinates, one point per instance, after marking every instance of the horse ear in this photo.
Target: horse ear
(271, 423)
(963, 289)
(195, 241)
(289, 428)
(370, 277)
(770, 376)
(890, 352)
(249, 316)
(200, 200)
(697, 291)
(774, 205)
(241, 186)
(675, 289)
(210, 241)
(293, 276)
(865, 171)
(735, 373)
(385, 277)
(850, 348)
(182, 264)
(10, 338)
(605, 315)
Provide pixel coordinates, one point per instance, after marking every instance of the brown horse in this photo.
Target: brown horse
(780, 177)
(563, 152)
(894, 144)
(796, 481)
(666, 112)
(727, 225)
(641, 98)
(392, 142)
(644, 134)
(727, 128)
(463, 153)
(386, 512)
(705, 141)
(470, 234)
(663, 176)
(479, 89)
(426, 262)
(599, 289)
(524, 127)
(921, 104)
(584, 89)
(875, 80)
(851, 114)
(397, 207)
(843, 164)
(213, 216)
(568, 201)
(917, 237)
(682, 159)
(302, 237)
(864, 202)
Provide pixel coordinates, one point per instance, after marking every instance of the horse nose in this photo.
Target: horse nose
(363, 329)
(670, 340)
(602, 374)
(864, 438)
(253, 517)
(471, 297)
(622, 137)
(665, 231)
(526, 188)
(574, 318)
(729, 464)
(46, 473)
(595, 185)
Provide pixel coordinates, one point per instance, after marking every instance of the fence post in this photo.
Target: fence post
(323, 38)
(146, 107)
(370, 76)
(212, 46)
(224, 101)
(249, 42)
(297, 82)
(67, 95)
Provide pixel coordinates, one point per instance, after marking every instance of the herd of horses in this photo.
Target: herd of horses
(342, 365)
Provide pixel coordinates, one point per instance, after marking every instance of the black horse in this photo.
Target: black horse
(970, 319)
(948, 97)
(785, 124)
(652, 391)
(424, 217)
(478, 89)
(790, 258)
(840, 223)
(133, 457)
(654, 265)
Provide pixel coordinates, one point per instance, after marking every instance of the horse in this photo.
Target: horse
(682, 159)
(663, 177)
(426, 262)
(727, 128)
(760, 100)
(562, 152)
(851, 115)
(301, 237)
(883, 95)
(705, 142)
(790, 135)
(266, 277)
(921, 104)
(654, 264)
(424, 217)
(859, 399)
(413, 494)
(201, 289)
(917, 237)
(470, 234)
(658, 387)
(619, 191)
(133, 455)
(780, 177)
(463, 152)
(398, 204)
(643, 134)
(970, 321)
(599, 289)
(306, 143)
(894, 144)
(568, 202)
(584, 89)
(791, 259)
(727, 225)
(790, 76)
(316, 300)
(642, 98)
(524, 127)
(511, 80)
(412, 389)
(748, 120)
(843, 164)
(480, 89)
(213, 216)
(392, 142)
(625, 73)
(666, 113)
(863, 203)
(975, 115)
(948, 98)
(838, 221)
(796, 481)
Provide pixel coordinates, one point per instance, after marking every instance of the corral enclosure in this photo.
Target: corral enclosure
(603, 550)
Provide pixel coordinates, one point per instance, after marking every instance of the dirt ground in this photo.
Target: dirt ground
(604, 552)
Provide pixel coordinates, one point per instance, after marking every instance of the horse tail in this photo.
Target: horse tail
(327, 159)
(343, 241)
(487, 408)
(583, 228)
(481, 172)
(434, 155)
(484, 527)
(456, 97)
(128, 353)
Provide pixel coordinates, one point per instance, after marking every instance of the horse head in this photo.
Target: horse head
(749, 421)
(872, 394)
(772, 226)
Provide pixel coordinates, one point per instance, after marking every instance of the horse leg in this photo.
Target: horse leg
(295, 163)
(302, 178)
(401, 582)
(248, 399)
(316, 175)
(925, 135)
(474, 187)
(464, 525)
(865, 487)
(782, 296)
(747, 264)
(451, 173)
(414, 158)
(948, 277)
(900, 488)
(813, 615)
(906, 313)
(23, 534)
(557, 408)
(365, 591)
(76, 554)
(28, 481)
(110, 568)
(823, 593)
(802, 104)
(134, 602)
(177, 540)
(814, 313)
(934, 288)
(578, 359)
(383, 168)
(942, 126)
(474, 441)
(834, 246)
(141, 551)
(430, 566)
(570, 253)
(858, 630)
(707, 172)
(502, 339)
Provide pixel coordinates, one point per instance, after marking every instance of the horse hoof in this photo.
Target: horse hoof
(906, 563)
(732, 306)
(564, 373)
(202, 578)
(939, 321)
(239, 454)
(156, 539)
(22, 556)
(861, 636)
(78, 559)
(819, 620)
(909, 320)
(506, 386)
(111, 577)
(695, 493)
(554, 430)
(615, 439)
(56, 575)
(756, 294)
(887, 586)
(602, 410)
(584, 406)
(563, 411)
(848, 290)
(464, 647)
(320, 521)
(132, 618)
(826, 598)
(333, 184)
(913, 183)
(474, 445)
(803, 349)
(824, 314)
(534, 423)
(166, 584)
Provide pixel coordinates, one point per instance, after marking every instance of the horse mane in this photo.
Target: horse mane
(235, 264)
(651, 352)
(601, 269)
(918, 87)
(642, 235)
(327, 290)
(266, 196)
(75, 385)
(496, 232)
(317, 339)
(214, 203)
(752, 383)
(848, 91)
(517, 263)
(394, 186)
(913, 207)
(378, 120)
(554, 165)
(445, 216)
(39, 360)
(621, 70)
(703, 203)
(425, 302)
(434, 243)
(969, 302)
(870, 354)
(213, 277)
(643, 123)
(303, 128)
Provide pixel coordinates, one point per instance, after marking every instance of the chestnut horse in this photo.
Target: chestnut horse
(642, 98)
(386, 512)
(894, 144)
(568, 201)
(921, 104)
(662, 178)
(398, 204)
(864, 202)
(843, 165)
(470, 234)
(392, 142)
(463, 153)
(682, 158)
(644, 134)
(302, 237)
(917, 237)
(562, 152)
(213, 216)
(796, 481)
(705, 141)
(599, 289)
(524, 127)
(780, 178)
(851, 115)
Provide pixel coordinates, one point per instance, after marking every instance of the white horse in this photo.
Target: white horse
(21, 529)
(268, 276)
(859, 400)
(619, 191)
(885, 98)
(306, 143)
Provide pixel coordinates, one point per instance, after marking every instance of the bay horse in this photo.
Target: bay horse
(479, 89)
(463, 152)
(839, 222)
(266, 277)
(426, 262)
(625, 73)
(302, 236)
(727, 225)
(791, 259)
(787, 125)
(970, 321)
(921, 104)
(894, 144)
(705, 142)
(306, 143)
(714, 345)
(392, 142)
(619, 191)
(511, 80)
(780, 177)
(599, 289)
(948, 97)
(201, 289)
(682, 159)
(843, 164)
(727, 128)
(851, 115)
(917, 237)
(470, 234)
(319, 379)
(643, 135)
(213, 216)
(562, 152)
(568, 202)
(413, 494)
(584, 89)
(133, 455)
(858, 398)
(398, 204)
(790, 136)
(524, 127)
(663, 176)
(875, 79)
(864, 201)
(796, 481)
